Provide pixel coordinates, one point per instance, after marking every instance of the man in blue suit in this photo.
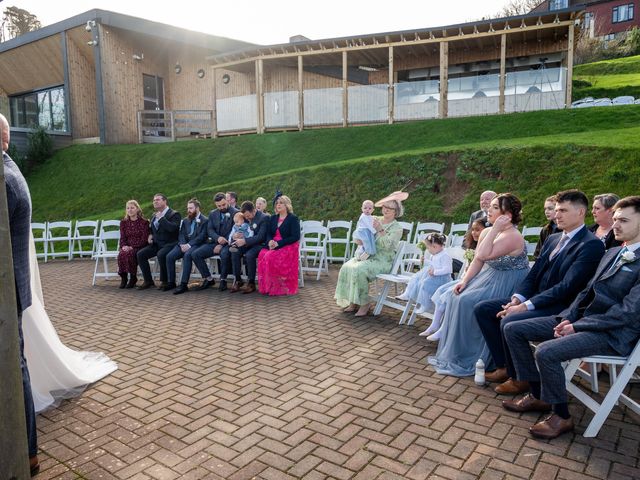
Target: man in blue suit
(565, 265)
(249, 248)
(604, 319)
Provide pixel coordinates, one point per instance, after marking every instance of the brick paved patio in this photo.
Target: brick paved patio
(227, 386)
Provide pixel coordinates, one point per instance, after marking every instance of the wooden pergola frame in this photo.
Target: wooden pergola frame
(563, 21)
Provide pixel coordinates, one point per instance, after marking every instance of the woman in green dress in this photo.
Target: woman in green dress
(352, 291)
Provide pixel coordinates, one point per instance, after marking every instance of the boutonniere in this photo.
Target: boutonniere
(628, 257)
(227, 215)
(254, 226)
(197, 219)
(469, 254)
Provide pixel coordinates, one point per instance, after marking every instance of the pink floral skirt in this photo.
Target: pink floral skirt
(278, 270)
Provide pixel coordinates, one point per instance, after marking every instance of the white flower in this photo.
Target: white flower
(254, 226)
(197, 219)
(227, 215)
(628, 257)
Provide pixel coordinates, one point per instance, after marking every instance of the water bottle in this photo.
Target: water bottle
(479, 377)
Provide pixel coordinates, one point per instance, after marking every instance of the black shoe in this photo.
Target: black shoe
(181, 289)
(205, 284)
(223, 286)
(162, 285)
(169, 286)
(132, 282)
(123, 280)
(146, 285)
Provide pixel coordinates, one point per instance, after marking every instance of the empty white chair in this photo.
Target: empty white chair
(107, 247)
(336, 237)
(456, 234)
(62, 234)
(427, 227)
(531, 236)
(85, 233)
(314, 247)
(39, 232)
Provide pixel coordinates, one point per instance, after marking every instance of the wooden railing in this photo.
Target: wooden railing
(155, 126)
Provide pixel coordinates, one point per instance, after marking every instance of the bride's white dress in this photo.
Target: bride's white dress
(56, 371)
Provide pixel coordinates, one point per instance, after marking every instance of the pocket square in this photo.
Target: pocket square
(626, 269)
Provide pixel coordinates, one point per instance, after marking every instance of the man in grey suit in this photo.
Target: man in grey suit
(485, 203)
(249, 248)
(604, 319)
(19, 206)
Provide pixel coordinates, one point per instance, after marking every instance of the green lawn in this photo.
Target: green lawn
(609, 78)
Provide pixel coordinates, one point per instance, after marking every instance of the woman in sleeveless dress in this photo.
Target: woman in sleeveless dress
(500, 263)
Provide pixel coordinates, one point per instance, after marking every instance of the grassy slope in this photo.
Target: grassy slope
(609, 78)
(94, 181)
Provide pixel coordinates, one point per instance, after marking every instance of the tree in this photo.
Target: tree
(518, 7)
(17, 21)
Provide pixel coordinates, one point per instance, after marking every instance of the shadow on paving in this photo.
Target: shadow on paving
(217, 385)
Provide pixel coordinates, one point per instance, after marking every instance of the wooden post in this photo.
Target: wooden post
(140, 136)
(443, 109)
(214, 108)
(503, 69)
(14, 459)
(300, 93)
(345, 85)
(172, 122)
(259, 95)
(391, 86)
(570, 47)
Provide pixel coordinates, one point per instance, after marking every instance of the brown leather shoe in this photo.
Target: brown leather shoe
(512, 387)
(551, 427)
(499, 375)
(528, 403)
(249, 288)
(34, 465)
(236, 287)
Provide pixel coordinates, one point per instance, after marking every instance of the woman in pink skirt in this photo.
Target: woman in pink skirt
(278, 263)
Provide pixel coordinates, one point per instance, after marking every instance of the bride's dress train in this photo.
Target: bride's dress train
(56, 371)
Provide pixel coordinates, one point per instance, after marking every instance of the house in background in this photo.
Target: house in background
(85, 78)
(605, 19)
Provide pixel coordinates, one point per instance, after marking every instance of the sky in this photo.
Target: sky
(269, 22)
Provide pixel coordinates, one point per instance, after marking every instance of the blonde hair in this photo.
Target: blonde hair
(395, 205)
(287, 203)
(135, 204)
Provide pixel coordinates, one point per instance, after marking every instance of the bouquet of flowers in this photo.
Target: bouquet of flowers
(423, 247)
(469, 254)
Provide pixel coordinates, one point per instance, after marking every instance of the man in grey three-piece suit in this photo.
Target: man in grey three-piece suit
(19, 206)
(604, 319)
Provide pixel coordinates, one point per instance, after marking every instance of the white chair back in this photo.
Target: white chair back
(339, 233)
(427, 227)
(85, 231)
(456, 234)
(61, 234)
(531, 236)
(407, 230)
(107, 247)
(39, 232)
(313, 248)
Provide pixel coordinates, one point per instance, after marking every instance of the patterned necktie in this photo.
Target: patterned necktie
(563, 241)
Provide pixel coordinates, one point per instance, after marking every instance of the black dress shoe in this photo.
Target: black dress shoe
(146, 285)
(168, 286)
(123, 280)
(181, 289)
(223, 286)
(162, 285)
(132, 282)
(205, 284)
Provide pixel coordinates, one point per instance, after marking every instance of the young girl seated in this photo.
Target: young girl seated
(436, 272)
(365, 232)
(239, 226)
(442, 294)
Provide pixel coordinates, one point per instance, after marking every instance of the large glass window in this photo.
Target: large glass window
(558, 4)
(622, 13)
(45, 108)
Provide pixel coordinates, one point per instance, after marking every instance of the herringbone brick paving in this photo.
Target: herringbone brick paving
(227, 386)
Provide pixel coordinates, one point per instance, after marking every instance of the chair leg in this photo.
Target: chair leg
(381, 298)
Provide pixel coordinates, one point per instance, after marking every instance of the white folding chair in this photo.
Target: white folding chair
(533, 234)
(59, 232)
(314, 247)
(109, 225)
(407, 231)
(105, 251)
(334, 239)
(619, 382)
(427, 227)
(456, 234)
(39, 232)
(85, 231)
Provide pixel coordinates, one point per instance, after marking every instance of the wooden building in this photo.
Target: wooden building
(85, 79)
(487, 67)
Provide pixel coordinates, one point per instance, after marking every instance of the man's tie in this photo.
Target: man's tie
(563, 241)
(193, 227)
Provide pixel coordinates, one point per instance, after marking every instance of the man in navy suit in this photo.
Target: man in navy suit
(604, 319)
(193, 233)
(165, 224)
(249, 248)
(218, 229)
(566, 263)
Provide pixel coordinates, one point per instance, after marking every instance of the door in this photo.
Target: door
(153, 95)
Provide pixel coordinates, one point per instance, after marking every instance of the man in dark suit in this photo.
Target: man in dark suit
(485, 203)
(567, 262)
(218, 229)
(192, 234)
(19, 207)
(602, 320)
(165, 224)
(249, 248)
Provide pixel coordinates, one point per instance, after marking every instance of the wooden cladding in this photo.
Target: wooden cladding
(33, 66)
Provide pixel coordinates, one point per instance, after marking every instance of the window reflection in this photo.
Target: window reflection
(45, 108)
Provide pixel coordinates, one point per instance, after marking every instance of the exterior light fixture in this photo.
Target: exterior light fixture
(226, 78)
(200, 73)
(177, 68)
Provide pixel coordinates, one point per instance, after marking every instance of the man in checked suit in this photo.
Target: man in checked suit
(218, 230)
(566, 263)
(164, 236)
(249, 248)
(604, 319)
